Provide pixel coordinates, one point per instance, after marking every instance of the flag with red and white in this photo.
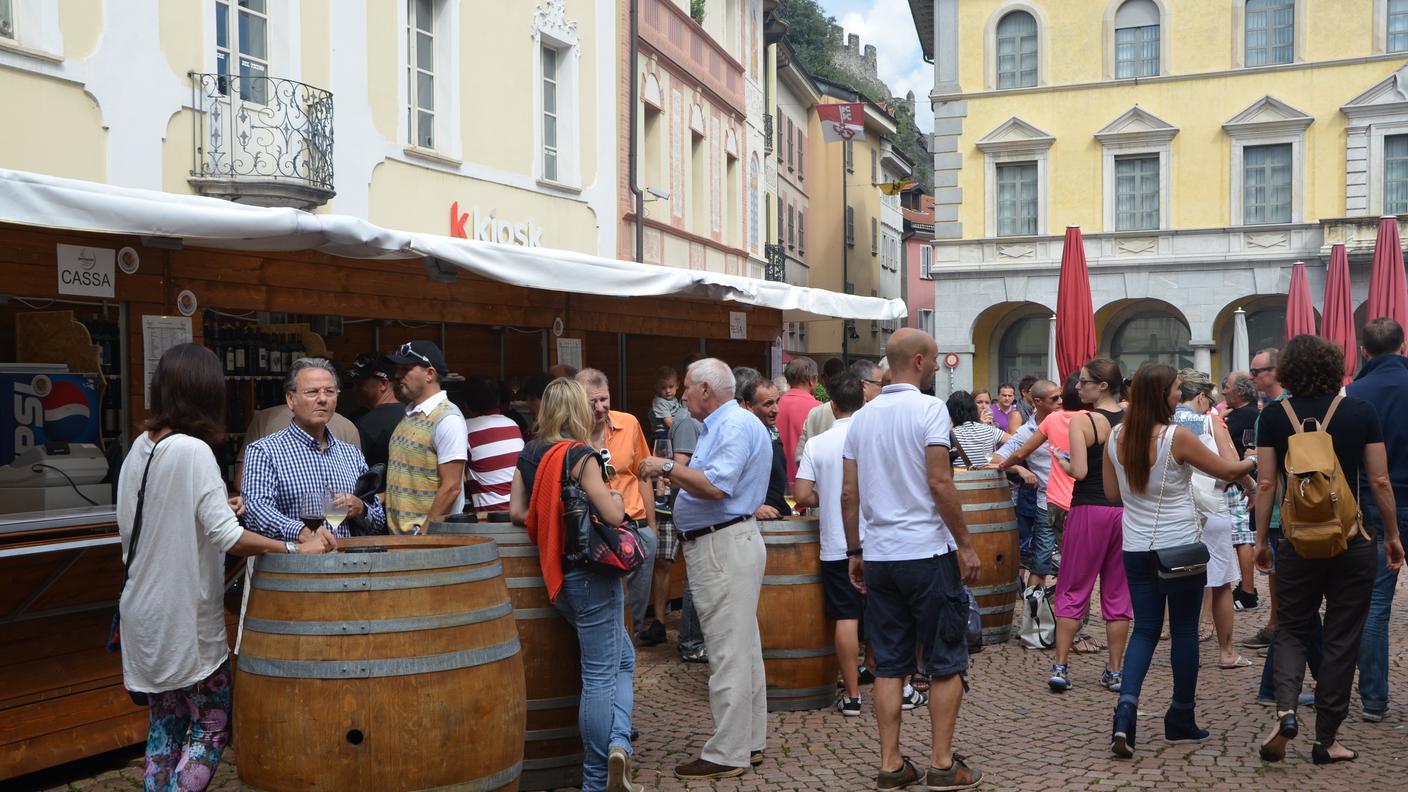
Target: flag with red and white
(842, 121)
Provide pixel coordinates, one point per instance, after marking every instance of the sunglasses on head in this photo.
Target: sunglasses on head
(408, 351)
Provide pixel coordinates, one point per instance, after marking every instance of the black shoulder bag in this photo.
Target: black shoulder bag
(1183, 560)
(114, 643)
(607, 549)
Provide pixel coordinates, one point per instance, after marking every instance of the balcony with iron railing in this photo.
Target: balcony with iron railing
(262, 140)
(776, 268)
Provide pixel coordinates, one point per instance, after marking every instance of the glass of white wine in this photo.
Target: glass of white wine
(334, 509)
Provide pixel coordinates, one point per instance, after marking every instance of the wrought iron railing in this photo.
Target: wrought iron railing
(776, 268)
(262, 128)
(767, 134)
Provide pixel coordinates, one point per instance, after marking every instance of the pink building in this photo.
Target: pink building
(918, 289)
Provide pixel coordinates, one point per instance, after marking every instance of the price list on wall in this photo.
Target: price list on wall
(159, 333)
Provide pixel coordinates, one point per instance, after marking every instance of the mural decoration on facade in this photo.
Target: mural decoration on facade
(716, 195)
(754, 232)
(676, 133)
(755, 14)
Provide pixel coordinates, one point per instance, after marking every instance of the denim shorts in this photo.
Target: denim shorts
(841, 599)
(919, 602)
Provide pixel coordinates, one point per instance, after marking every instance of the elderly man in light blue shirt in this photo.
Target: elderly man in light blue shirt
(722, 487)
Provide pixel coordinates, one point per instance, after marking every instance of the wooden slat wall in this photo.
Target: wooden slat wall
(646, 354)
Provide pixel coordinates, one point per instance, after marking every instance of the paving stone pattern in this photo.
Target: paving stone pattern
(1023, 736)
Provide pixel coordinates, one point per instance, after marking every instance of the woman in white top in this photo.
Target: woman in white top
(1195, 414)
(976, 438)
(175, 654)
(1148, 464)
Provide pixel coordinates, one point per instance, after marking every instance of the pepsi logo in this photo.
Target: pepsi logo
(67, 413)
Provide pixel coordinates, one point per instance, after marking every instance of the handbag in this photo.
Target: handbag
(975, 623)
(1183, 560)
(114, 642)
(590, 542)
(364, 488)
(1037, 629)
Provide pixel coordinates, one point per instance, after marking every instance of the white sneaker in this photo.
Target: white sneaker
(618, 772)
(913, 698)
(850, 707)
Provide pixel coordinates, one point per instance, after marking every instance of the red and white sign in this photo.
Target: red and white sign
(951, 360)
(842, 121)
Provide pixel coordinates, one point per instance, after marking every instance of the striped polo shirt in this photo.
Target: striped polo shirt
(494, 444)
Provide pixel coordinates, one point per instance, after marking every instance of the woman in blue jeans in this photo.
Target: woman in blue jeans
(593, 602)
(1148, 464)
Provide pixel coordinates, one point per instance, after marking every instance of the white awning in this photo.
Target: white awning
(45, 201)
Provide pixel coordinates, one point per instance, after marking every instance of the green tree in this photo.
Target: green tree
(696, 10)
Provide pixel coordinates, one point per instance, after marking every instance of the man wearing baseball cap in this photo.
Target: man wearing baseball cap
(370, 377)
(428, 450)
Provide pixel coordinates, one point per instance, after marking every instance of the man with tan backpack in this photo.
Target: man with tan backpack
(1321, 441)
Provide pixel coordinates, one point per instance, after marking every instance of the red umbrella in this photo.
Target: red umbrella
(1339, 310)
(1300, 314)
(1075, 317)
(1388, 292)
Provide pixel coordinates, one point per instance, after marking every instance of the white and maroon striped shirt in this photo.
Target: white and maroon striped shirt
(494, 444)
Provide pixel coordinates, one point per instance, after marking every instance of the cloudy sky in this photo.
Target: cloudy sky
(889, 26)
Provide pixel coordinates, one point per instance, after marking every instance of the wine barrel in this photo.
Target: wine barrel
(394, 664)
(799, 650)
(552, 748)
(992, 522)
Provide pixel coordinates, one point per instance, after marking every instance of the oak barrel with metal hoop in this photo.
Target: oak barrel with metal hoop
(799, 652)
(393, 664)
(992, 522)
(552, 748)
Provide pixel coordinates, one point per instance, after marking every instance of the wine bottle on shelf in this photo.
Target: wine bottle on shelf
(261, 341)
(237, 342)
(276, 354)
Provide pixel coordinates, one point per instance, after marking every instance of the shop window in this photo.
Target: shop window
(1397, 27)
(1023, 348)
(1270, 31)
(1016, 199)
(1396, 174)
(242, 48)
(1017, 50)
(1152, 339)
(1266, 184)
(1136, 193)
(1137, 39)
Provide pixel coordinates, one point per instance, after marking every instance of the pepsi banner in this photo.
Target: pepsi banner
(40, 408)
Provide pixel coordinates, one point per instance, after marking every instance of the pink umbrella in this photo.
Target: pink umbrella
(1388, 291)
(1300, 314)
(1075, 316)
(1339, 310)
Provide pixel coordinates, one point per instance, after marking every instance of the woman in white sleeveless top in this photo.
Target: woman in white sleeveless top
(1210, 499)
(1148, 466)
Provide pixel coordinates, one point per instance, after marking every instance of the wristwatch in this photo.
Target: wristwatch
(853, 553)
(667, 467)
(290, 547)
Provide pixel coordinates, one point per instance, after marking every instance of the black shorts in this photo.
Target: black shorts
(842, 599)
(917, 603)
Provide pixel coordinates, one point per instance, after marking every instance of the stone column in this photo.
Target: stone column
(1202, 357)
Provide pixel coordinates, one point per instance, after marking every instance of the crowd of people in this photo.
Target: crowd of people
(1171, 496)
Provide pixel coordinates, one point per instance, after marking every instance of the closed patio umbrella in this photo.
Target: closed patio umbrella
(1241, 346)
(1075, 316)
(1388, 290)
(1338, 316)
(1300, 314)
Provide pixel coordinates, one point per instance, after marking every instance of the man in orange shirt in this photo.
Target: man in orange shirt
(793, 407)
(622, 442)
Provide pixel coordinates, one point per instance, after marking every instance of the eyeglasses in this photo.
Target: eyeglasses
(408, 351)
(313, 393)
(876, 383)
(1256, 372)
(1087, 382)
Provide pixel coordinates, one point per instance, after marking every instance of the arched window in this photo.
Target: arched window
(1022, 350)
(1271, 32)
(1137, 39)
(1016, 50)
(1152, 338)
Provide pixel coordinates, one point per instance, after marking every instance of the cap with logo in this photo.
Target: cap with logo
(370, 365)
(420, 353)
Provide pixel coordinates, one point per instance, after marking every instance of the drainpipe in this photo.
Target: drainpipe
(633, 171)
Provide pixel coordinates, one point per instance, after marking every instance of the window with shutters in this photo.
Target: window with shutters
(874, 236)
(1136, 193)
(801, 232)
(850, 156)
(1266, 184)
(791, 229)
(851, 226)
(926, 260)
(1396, 174)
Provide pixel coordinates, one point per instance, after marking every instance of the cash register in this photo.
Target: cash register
(56, 475)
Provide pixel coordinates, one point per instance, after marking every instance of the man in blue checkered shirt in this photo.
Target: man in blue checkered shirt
(304, 461)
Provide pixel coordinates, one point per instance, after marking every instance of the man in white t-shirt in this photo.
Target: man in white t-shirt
(918, 555)
(819, 486)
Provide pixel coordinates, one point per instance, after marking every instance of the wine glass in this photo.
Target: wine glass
(663, 449)
(334, 510)
(1249, 438)
(312, 510)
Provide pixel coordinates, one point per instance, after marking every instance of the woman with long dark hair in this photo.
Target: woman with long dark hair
(1147, 468)
(976, 438)
(177, 524)
(1091, 542)
(1311, 368)
(591, 601)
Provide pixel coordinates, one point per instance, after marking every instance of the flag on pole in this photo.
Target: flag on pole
(896, 187)
(842, 121)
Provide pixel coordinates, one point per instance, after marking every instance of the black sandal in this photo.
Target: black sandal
(1274, 749)
(1320, 755)
(919, 682)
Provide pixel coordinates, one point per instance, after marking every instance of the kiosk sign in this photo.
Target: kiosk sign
(86, 271)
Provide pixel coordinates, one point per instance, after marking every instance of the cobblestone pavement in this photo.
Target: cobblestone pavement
(1023, 736)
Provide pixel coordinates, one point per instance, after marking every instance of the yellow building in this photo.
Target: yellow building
(1201, 146)
(424, 115)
